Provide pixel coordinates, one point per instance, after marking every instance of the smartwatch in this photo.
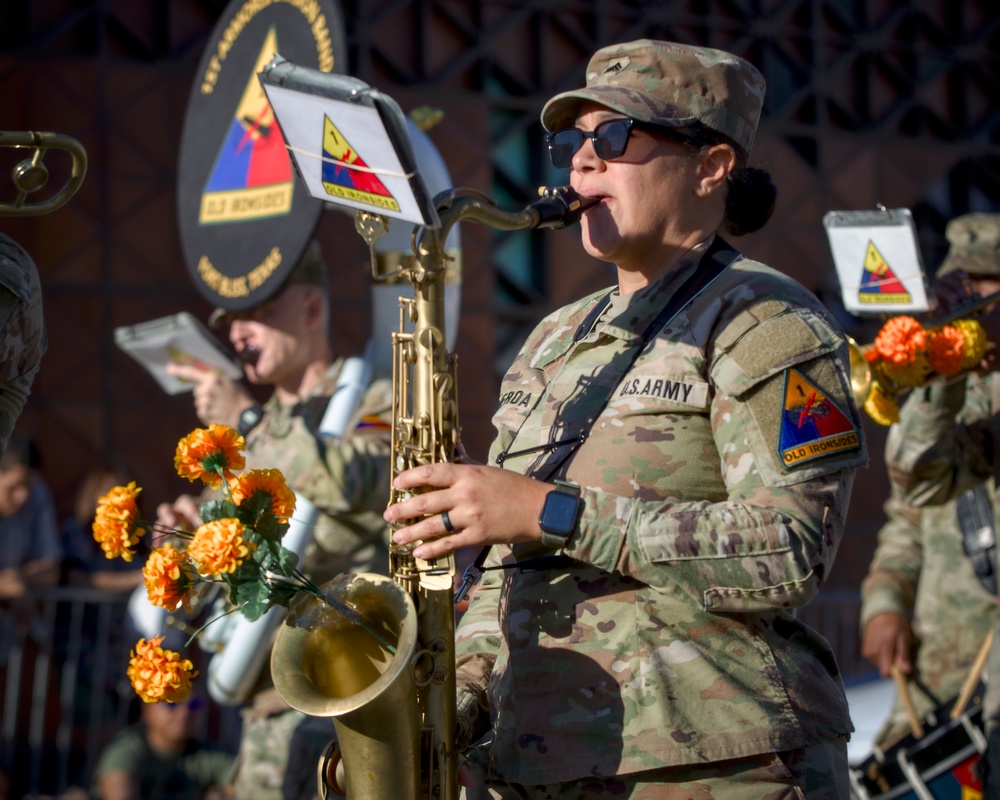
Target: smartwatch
(249, 419)
(560, 514)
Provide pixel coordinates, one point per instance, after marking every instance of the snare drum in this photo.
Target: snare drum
(938, 766)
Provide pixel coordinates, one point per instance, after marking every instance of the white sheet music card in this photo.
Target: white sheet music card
(343, 154)
(177, 339)
(878, 262)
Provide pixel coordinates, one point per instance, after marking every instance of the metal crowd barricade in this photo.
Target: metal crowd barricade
(64, 691)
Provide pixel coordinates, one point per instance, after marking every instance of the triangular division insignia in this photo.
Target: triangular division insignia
(346, 175)
(812, 425)
(963, 777)
(252, 175)
(879, 283)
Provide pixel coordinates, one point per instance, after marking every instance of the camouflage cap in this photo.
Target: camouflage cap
(311, 269)
(23, 340)
(669, 84)
(975, 245)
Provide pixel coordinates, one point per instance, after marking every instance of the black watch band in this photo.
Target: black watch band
(560, 514)
(249, 418)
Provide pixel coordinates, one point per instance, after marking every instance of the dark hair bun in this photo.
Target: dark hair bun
(750, 201)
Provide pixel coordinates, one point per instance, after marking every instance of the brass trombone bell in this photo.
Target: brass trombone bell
(861, 372)
(31, 174)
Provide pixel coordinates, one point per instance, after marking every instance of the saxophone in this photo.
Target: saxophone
(378, 656)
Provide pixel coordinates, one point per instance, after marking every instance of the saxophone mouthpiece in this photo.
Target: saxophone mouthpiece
(559, 206)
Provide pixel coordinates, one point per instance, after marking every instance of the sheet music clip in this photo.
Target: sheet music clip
(878, 262)
(349, 142)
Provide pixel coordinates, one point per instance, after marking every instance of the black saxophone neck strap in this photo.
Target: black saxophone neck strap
(719, 256)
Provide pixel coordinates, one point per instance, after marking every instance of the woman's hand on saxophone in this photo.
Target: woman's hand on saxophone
(483, 505)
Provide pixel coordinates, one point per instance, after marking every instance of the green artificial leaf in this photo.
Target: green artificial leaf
(283, 593)
(287, 561)
(252, 609)
(217, 509)
(247, 572)
(268, 528)
(255, 508)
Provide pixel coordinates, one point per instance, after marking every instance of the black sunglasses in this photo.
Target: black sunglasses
(610, 139)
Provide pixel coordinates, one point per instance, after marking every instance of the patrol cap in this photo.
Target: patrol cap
(310, 270)
(669, 84)
(974, 241)
(23, 340)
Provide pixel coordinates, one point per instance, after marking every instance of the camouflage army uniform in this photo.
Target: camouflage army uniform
(920, 570)
(348, 482)
(669, 647)
(944, 442)
(23, 332)
(942, 446)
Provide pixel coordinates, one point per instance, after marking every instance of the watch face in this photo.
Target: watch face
(249, 418)
(559, 512)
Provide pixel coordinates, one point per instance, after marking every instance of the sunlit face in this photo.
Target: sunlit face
(644, 194)
(15, 485)
(277, 332)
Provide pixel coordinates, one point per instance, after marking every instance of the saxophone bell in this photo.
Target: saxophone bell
(365, 677)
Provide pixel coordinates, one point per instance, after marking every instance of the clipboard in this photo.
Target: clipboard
(878, 261)
(349, 142)
(179, 339)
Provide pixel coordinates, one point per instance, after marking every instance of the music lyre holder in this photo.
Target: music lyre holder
(349, 142)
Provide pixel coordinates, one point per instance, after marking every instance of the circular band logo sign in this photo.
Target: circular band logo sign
(244, 218)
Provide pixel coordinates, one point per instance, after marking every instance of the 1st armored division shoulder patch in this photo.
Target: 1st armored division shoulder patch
(812, 425)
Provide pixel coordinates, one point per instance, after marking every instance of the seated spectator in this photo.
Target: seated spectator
(30, 551)
(84, 563)
(159, 758)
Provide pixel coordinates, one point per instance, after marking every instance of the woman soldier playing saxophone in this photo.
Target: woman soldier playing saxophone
(686, 441)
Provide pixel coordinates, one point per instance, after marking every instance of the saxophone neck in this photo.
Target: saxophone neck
(556, 207)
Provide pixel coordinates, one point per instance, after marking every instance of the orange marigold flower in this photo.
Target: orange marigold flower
(272, 483)
(158, 675)
(944, 350)
(170, 578)
(116, 527)
(900, 340)
(210, 454)
(219, 547)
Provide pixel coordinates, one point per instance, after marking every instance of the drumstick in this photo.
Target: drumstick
(903, 687)
(973, 680)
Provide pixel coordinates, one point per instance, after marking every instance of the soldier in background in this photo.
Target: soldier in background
(284, 343)
(927, 603)
(22, 332)
(944, 442)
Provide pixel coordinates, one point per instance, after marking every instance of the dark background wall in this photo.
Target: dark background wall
(869, 101)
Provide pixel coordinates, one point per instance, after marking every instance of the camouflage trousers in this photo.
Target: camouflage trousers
(279, 751)
(818, 772)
